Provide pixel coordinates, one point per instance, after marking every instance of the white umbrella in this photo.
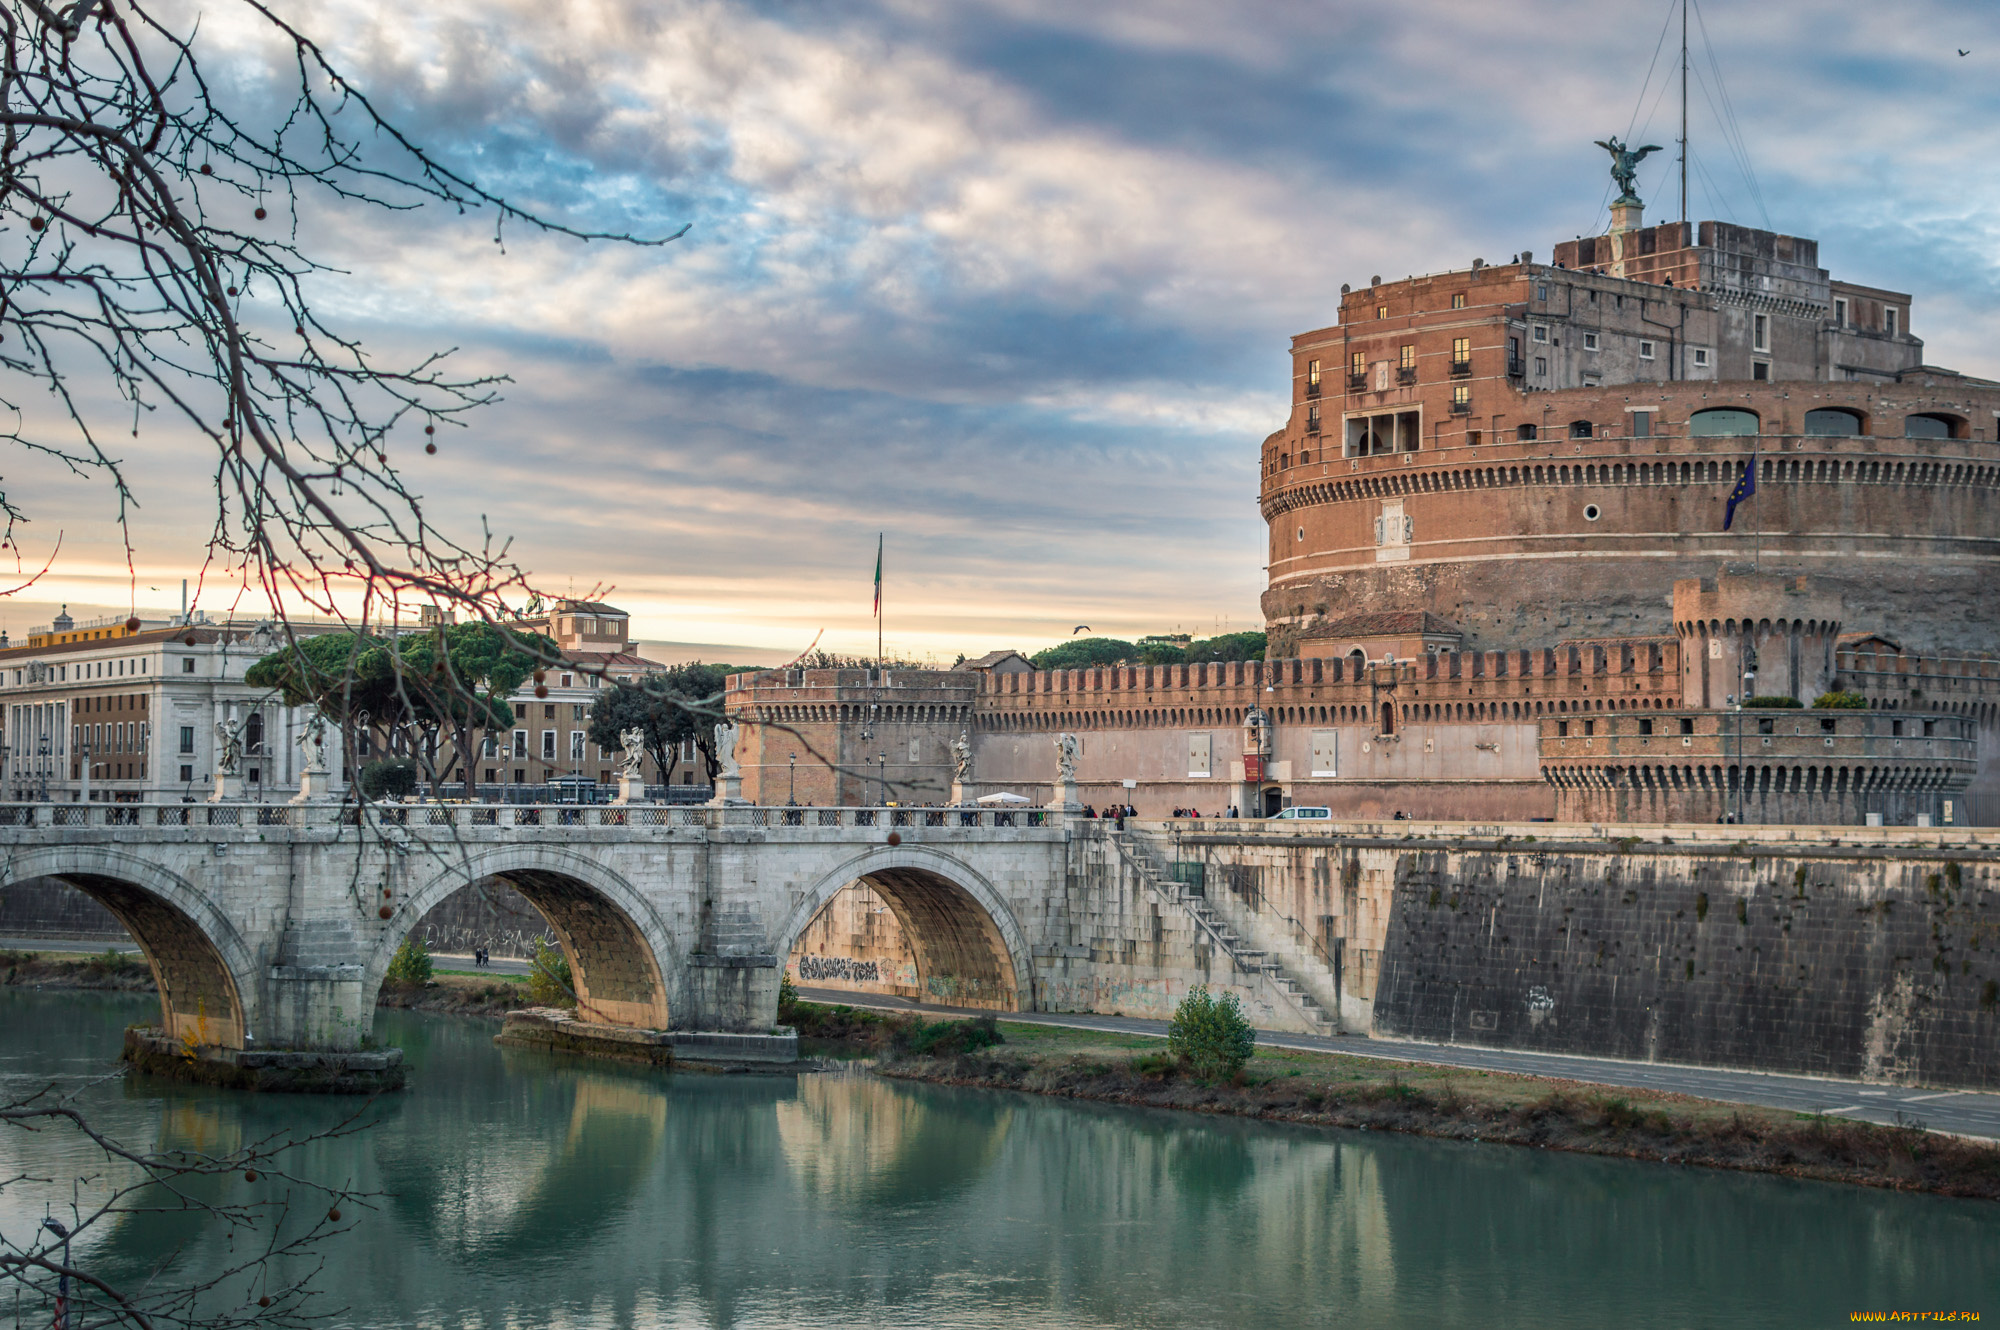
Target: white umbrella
(1002, 798)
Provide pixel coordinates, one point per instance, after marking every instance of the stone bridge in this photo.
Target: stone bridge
(273, 926)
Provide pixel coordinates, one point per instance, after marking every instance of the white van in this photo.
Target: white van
(1302, 814)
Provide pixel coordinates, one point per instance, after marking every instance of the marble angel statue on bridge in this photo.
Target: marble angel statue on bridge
(633, 741)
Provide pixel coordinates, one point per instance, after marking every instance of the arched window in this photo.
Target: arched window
(1722, 421)
(1525, 433)
(1928, 427)
(1388, 718)
(1832, 420)
(1581, 429)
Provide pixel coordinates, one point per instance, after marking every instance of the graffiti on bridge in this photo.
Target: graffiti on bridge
(838, 967)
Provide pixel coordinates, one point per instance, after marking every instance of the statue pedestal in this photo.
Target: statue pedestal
(958, 792)
(1064, 798)
(631, 790)
(228, 789)
(315, 787)
(728, 790)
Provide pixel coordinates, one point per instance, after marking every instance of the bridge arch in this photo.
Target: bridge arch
(206, 973)
(955, 920)
(622, 962)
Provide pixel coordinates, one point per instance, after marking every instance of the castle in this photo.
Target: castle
(1538, 532)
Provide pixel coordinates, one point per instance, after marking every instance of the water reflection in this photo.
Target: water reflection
(531, 1189)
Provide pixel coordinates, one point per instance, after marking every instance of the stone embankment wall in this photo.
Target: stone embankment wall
(1855, 956)
(45, 908)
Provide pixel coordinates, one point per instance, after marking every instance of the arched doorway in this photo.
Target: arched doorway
(609, 934)
(1274, 800)
(937, 932)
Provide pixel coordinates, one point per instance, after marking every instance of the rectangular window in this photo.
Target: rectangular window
(1701, 357)
(1761, 332)
(1590, 727)
(569, 681)
(1642, 428)
(520, 743)
(1645, 724)
(187, 664)
(1461, 350)
(1461, 397)
(1381, 311)
(577, 712)
(187, 739)
(1590, 341)
(1562, 729)
(520, 711)
(490, 747)
(1687, 726)
(1541, 290)
(1358, 363)
(1324, 753)
(548, 745)
(1458, 300)
(491, 775)
(1542, 333)
(187, 772)
(1200, 755)
(576, 745)
(1840, 313)
(1541, 367)
(1760, 370)
(548, 711)
(1312, 374)
(1645, 350)
(1409, 358)
(1889, 322)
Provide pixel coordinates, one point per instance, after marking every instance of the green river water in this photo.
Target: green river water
(520, 1189)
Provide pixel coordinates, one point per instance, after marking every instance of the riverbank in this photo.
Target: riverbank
(1330, 1090)
(112, 971)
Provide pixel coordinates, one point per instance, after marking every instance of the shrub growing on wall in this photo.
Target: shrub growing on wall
(1210, 1035)
(1841, 701)
(411, 965)
(549, 981)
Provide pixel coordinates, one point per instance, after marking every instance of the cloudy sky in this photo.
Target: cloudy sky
(1012, 280)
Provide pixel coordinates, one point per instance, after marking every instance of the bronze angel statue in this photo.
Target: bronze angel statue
(1625, 164)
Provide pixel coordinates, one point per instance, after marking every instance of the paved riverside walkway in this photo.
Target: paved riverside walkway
(1962, 1112)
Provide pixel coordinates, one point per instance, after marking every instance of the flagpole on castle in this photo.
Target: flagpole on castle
(878, 598)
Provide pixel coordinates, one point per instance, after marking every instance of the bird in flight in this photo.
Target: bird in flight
(1080, 628)
(1963, 51)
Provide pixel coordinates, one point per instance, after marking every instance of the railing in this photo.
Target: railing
(1461, 408)
(1357, 383)
(1406, 373)
(1461, 369)
(488, 817)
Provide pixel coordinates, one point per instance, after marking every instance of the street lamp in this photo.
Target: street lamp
(42, 763)
(882, 776)
(792, 791)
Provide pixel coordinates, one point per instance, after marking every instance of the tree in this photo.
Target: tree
(1210, 1035)
(456, 680)
(671, 707)
(151, 217)
(1082, 653)
(275, 1219)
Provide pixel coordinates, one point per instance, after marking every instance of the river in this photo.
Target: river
(519, 1189)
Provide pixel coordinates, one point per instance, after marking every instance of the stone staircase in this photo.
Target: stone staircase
(1246, 958)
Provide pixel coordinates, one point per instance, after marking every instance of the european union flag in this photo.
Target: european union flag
(1745, 488)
